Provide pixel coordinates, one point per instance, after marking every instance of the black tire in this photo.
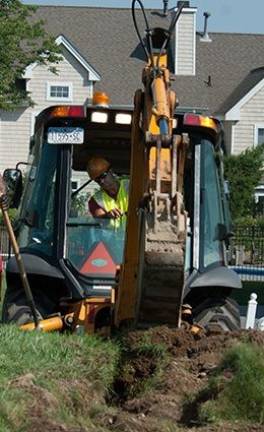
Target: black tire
(218, 314)
(16, 310)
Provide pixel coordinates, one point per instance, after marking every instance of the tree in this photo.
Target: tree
(244, 172)
(23, 41)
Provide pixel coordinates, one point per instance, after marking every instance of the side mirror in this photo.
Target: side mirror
(222, 233)
(14, 186)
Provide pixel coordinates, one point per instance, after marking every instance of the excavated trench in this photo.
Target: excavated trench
(158, 370)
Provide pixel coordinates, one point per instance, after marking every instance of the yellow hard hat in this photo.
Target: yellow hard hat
(97, 166)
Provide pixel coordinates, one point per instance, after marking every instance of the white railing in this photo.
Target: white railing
(251, 312)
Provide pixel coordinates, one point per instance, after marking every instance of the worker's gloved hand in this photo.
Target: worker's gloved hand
(4, 201)
(115, 213)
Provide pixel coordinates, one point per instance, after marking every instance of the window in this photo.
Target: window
(74, 185)
(259, 134)
(212, 213)
(37, 230)
(259, 201)
(59, 91)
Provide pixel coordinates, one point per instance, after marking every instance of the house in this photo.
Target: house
(216, 73)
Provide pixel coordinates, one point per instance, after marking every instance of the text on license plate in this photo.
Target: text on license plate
(66, 135)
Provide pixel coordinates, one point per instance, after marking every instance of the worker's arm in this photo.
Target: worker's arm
(99, 212)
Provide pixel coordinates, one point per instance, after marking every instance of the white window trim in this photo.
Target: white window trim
(233, 131)
(59, 84)
(234, 112)
(259, 193)
(257, 126)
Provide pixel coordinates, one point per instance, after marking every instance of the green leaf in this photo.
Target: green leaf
(244, 172)
(23, 41)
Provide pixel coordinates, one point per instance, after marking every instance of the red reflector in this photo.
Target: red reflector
(99, 261)
(76, 111)
(67, 111)
(199, 120)
(192, 119)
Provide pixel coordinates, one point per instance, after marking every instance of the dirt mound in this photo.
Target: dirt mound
(193, 358)
(44, 404)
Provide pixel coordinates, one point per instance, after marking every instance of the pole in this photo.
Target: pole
(20, 264)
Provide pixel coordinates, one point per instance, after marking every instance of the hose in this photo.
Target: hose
(172, 25)
(148, 52)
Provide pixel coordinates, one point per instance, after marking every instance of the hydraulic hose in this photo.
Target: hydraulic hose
(148, 52)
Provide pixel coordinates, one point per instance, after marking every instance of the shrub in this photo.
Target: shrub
(237, 388)
(244, 172)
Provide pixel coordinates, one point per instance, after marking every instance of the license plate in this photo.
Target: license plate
(66, 135)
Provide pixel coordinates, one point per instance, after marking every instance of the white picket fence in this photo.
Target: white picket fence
(251, 312)
(251, 321)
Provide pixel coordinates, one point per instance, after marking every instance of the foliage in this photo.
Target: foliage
(244, 172)
(237, 387)
(250, 221)
(79, 205)
(23, 41)
(12, 215)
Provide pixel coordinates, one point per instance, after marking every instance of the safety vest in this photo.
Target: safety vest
(120, 202)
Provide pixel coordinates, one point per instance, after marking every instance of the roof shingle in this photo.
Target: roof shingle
(106, 38)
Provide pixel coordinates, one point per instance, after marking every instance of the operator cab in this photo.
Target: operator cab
(66, 251)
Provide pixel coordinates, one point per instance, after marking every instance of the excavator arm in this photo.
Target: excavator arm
(152, 276)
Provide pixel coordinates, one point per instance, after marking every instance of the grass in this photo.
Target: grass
(237, 390)
(41, 354)
(68, 379)
(71, 376)
(63, 371)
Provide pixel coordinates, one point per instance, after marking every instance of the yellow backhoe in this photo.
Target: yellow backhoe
(167, 263)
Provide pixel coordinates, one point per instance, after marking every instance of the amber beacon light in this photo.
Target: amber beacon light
(101, 99)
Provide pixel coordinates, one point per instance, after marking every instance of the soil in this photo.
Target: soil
(192, 360)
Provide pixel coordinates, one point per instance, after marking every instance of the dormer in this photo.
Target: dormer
(185, 41)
